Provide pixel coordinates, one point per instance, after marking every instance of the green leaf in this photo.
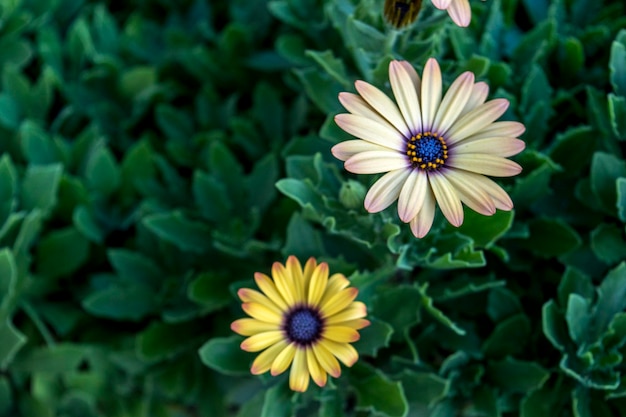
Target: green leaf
(61, 252)
(176, 125)
(278, 402)
(331, 65)
(605, 170)
(517, 376)
(621, 199)
(39, 187)
(397, 307)
(121, 303)
(550, 238)
(224, 355)
(572, 149)
(553, 325)
(302, 239)
(536, 89)
(502, 303)
(509, 337)
(102, 173)
(320, 88)
(59, 358)
(9, 112)
(14, 51)
(137, 80)
(133, 267)
(12, 342)
(374, 337)
(608, 244)
(377, 393)
(486, 230)
(574, 281)
(577, 317)
(38, 147)
(185, 234)
(617, 64)
(210, 290)
(8, 273)
(165, 340)
(428, 304)
(85, 223)
(211, 197)
(260, 184)
(611, 297)
(617, 114)
(6, 396)
(8, 187)
(424, 388)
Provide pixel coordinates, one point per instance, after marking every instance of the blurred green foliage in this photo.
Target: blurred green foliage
(155, 154)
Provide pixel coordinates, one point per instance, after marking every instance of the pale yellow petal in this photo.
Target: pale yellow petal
(406, 96)
(480, 91)
(261, 341)
(318, 283)
(385, 190)
(421, 224)
(264, 360)
(356, 105)
(355, 311)
(470, 193)
(383, 105)
(268, 287)
(340, 334)
(299, 375)
(344, 150)
(499, 146)
(460, 12)
(500, 197)
(343, 351)
(338, 301)
(412, 195)
(376, 162)
(262, 313)
(431, 93)
(453, 102)
(479, 163)
(499, 129)
(326, 360)
(442, 4)
(476, 120)
(371, 131)
(248, 327)
(283, 359)
(318, 374)
(415, 78)
(284, 283)
(447, 198)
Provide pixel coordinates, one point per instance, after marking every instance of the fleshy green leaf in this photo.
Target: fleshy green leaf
(605, 170)
(517, 376)
(12, 342)
(278, 402)
(374, 337)
(224, 355)
(61, 252)
(186, 234)
(40, 185)
(376, 392)
(509, 337)
(608, 243)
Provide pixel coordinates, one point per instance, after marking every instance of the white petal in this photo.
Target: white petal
(447, 198)
(415, 78)
(431, 93)
(412, 195)
(453, 102)
(480, 91)
(500, 198)
(484, 164)
(371, 131)
(348, 148)
(375, 162)
(441, 4)
(386, 190)
(470, 193)
(502, 146)
(406, 96)
(460, 12)
(356, 105)
(476, 120)
(383, 105)
(421, 224)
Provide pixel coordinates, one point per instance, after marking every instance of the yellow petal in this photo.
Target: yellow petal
(294, 271)
(248, 295)
(326, 360)
(318, 283)
(309, 268)
(317, 373)
(261, 341)
(356, 311)
(355, 324)
(336, 283)
(262, 312)
(341, 334)
(299, 376)
(343, 351)
(248, 327)
(339, 301)
(284, 283)
(283, 360)
(264, 360)
(268, 287)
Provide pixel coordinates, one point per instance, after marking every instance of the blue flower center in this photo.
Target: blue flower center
(427, 151)
(303, 325)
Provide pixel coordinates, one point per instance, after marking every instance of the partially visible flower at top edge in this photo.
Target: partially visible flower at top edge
(458, 10)
(431, 149)
(401, 13)
(301, 316)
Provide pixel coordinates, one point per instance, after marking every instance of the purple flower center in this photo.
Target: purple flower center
(427, 151)
(303, 325)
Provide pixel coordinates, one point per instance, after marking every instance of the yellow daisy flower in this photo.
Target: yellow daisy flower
(432, 149)
(304, 317)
